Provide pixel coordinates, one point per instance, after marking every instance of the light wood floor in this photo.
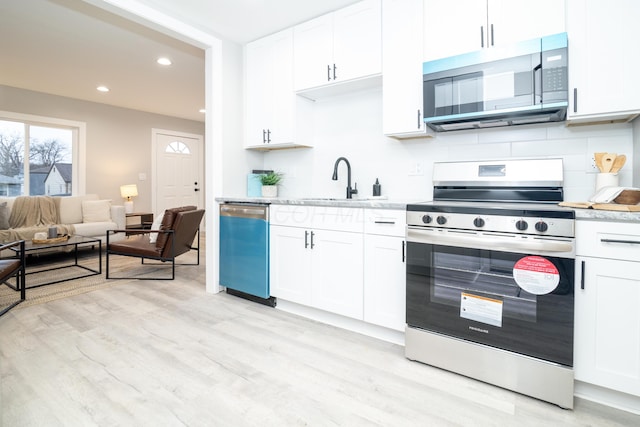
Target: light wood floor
(168, 354)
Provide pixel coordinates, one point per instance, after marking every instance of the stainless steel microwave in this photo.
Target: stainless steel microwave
(499, 86)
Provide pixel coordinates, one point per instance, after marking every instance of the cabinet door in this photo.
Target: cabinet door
(384, 281)
(283, 97)
(452, 28)
(512, 21)
(357, 38)
(402, 68)
(603, 65)
(607, 331)
(270, 99)
(337, 280)
(259, 91)
(313, 53)
(290, 264)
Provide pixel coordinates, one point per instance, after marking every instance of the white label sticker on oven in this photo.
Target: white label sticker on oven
(536, 275)
(481, 309)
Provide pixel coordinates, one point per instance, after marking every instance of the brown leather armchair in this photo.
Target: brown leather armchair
(13, 267)
(179, 228)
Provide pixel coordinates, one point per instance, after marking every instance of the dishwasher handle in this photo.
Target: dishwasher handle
(245, 211)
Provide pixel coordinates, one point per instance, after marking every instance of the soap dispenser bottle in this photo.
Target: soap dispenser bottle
(376, 188)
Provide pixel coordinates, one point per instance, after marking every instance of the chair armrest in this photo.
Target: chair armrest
(138, 230)
(118, 216)
(12, 244)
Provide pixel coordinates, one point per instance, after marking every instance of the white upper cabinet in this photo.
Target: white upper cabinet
(452, 28)
(270, 103)
(603, 61)
(338, 47)
(402, 47)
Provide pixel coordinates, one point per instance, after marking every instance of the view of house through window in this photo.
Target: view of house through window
(49, 151)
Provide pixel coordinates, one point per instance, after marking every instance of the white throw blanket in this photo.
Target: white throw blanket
(30, 215)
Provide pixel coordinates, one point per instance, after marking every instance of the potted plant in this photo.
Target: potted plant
(270, 183)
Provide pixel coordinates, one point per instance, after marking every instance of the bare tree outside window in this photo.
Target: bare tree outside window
(49, 170)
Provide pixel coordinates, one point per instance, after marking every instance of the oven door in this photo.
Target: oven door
(471, 286)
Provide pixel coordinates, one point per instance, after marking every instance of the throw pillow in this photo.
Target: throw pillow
(153, 237)
(96, 210)
(4, 216)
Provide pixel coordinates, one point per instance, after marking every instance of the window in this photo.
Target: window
(177, 147)
(50, 147)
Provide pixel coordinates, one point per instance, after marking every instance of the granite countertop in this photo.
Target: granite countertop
(383, 203)
(605, 215)
(375, 203)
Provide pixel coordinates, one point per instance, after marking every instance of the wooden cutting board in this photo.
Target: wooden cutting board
(601, 206)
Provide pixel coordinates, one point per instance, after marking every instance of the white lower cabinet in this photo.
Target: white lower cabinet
(384, 268)
(336, 282)
(384, 278)
(313, 265)
(607, 308)
(346, 261)
(289, 264)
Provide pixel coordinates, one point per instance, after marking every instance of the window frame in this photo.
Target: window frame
(78, 138)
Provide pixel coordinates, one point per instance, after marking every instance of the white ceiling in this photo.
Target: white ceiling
(68, 48)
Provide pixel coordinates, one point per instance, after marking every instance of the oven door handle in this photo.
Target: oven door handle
(489, 242)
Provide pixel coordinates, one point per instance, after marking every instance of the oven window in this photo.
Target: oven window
(484, 274)
(472, 294)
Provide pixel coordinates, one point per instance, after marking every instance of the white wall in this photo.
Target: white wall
(118, 139)
(237, 161)
(351, 126)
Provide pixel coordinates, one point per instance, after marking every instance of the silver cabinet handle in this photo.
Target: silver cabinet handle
(384, 222)
(631, 242)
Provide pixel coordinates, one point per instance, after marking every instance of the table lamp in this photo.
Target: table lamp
(128, 191)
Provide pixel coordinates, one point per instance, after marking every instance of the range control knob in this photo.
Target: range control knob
(522, 225)
(441, 220)
(541, 226)
(426, 219)
(478, 222)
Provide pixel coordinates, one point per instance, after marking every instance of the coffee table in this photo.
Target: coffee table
(74, 241)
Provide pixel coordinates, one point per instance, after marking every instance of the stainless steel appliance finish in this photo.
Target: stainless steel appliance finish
(490, 277)
(244, 251)
(503, 86)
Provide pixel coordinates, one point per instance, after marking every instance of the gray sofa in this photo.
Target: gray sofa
(81, 215)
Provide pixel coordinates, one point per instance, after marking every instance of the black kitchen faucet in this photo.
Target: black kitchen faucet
(350, 191)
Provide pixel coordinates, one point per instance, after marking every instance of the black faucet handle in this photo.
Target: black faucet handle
(355, 188)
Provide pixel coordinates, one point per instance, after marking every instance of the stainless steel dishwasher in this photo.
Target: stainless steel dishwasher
(244, 251)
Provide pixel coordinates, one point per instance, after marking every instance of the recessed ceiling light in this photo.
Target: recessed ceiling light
(164, 61)
(103, 89)
(202, 110)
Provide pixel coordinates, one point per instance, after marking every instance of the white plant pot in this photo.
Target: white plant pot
(269, 191)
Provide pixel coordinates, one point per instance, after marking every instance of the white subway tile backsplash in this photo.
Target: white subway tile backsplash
(513, 134)
(350, 126)
(480, 151)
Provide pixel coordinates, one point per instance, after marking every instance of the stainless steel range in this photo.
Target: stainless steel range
(490, 276)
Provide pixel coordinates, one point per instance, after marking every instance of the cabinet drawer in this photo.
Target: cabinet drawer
(338, 219)
(291, 215)
(608, 240)
(318, 217)
(385, 222)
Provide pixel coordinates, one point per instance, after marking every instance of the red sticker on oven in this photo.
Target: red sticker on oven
(536, 275)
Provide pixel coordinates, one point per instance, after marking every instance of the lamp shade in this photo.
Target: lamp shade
(128, 191)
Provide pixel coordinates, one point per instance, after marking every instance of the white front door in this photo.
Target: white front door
(177, 170)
